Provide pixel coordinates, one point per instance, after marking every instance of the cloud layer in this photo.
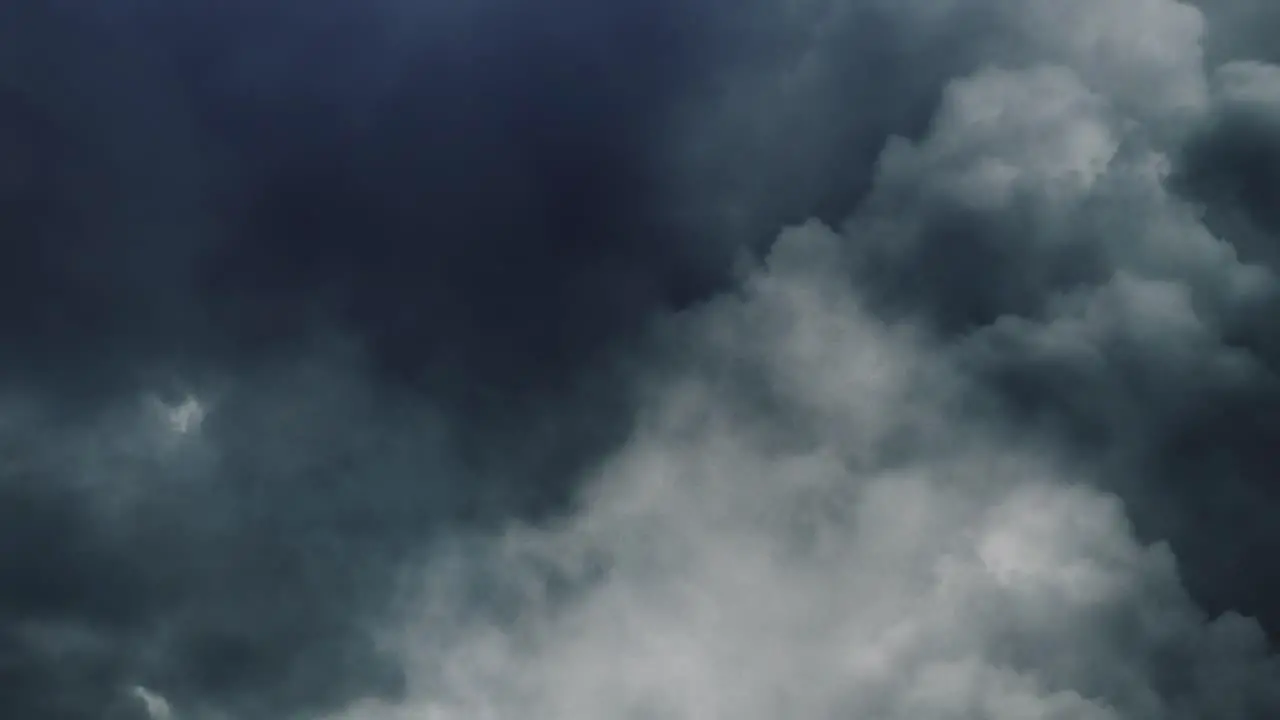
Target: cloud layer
(406, 362)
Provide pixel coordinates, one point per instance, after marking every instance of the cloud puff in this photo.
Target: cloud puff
(157, 707)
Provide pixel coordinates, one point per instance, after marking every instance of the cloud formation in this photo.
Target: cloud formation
(434, 378)
(1085, 204)
(387, 247)
(836, 506)
(870, 547)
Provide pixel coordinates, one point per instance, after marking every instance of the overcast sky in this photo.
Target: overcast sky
(665, 360)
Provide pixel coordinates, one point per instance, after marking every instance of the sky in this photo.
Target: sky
(666, 360)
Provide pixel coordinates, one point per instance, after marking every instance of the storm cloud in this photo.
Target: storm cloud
(667, 360)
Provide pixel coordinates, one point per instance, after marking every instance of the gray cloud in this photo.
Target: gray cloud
(986, 433)
(203, 196)
(1085, 207)
(832, 513)
(899, 558)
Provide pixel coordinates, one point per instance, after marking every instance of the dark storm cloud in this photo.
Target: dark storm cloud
(1102, 168)
(1024, 332)
(378, 242)
(301, 304)
(358, 167)
(872, 545)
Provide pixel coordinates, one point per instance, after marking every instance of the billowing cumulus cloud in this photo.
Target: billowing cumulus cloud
(821, 517)
(819, 359)
(871, 547)
(1085, 204)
